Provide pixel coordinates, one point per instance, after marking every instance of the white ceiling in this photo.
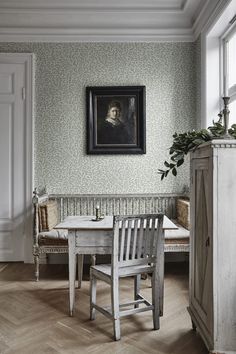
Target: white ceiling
(103, 20)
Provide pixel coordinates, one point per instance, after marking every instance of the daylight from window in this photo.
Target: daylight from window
(232, 61)
(232, 115)
(232, 78)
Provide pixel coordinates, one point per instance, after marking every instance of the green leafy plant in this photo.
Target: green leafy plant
(183, 143)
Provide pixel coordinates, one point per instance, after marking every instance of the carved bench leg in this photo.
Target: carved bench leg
(36, 263)
(194, 327)
(80, 260)
(93, 259)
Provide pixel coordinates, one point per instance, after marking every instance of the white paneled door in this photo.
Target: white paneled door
(15, 167)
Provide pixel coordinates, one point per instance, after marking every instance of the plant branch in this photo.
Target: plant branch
(183, 143)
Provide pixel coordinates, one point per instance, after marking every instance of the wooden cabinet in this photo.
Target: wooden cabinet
(213, 244)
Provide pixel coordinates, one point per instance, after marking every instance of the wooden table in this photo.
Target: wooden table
(90, 237)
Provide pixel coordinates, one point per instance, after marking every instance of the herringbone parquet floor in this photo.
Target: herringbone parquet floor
(34, 316)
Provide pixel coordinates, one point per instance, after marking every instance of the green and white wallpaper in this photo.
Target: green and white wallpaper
(62, 72)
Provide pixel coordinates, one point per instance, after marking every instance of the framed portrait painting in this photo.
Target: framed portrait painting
(116, 121)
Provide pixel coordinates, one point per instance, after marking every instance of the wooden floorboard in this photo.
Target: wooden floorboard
(34, 316)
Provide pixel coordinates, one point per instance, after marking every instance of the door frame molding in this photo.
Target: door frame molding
(28, 60)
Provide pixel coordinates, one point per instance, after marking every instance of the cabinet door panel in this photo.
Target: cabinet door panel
(201, 266)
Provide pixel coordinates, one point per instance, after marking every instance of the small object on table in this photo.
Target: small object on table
(97, 212)
(98, 215)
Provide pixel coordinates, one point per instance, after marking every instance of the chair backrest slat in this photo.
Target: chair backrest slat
(152, 236)
(122, 242)
(128, 240)
(146, 238)
(140, 239)
(137, 239)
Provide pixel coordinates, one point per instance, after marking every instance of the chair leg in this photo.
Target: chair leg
(93, 293)
(156, 300)
(137, 279)
(80, 261)
(115, 309)
(161, 282)
(36, 263)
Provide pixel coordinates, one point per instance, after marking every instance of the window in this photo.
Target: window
(229, 71)
(216, 34)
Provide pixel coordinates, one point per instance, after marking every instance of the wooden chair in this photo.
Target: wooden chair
(138, 247)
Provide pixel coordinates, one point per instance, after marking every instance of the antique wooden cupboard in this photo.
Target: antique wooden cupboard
(213, 244)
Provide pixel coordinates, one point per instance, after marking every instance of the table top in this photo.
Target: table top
(87, 223)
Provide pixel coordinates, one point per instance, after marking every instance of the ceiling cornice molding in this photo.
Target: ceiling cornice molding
(104, 20)
(97, 36)
(95, 5)
(209, 12)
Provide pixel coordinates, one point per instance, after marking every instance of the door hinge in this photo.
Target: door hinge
(23, 93)
(208, 241)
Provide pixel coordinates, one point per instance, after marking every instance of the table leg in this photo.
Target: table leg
(161, 273)
(72, 270)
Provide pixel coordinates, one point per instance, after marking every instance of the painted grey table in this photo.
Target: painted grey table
(86, 236)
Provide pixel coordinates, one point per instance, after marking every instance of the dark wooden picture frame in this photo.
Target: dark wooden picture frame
(116, 121)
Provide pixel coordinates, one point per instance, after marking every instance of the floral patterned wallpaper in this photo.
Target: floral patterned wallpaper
(62, 72)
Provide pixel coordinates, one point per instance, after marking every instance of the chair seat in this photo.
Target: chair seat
(53, 237)
(123, 271)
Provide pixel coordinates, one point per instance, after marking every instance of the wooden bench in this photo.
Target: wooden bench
(48, 240)
(177, 240)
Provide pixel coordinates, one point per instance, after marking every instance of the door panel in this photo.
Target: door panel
(12, 161)
(5, 158)
(201, 248)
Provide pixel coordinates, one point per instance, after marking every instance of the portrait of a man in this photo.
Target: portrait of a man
(116, 119)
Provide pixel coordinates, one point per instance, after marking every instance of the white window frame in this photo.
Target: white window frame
(212, 84)
(228, 91)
